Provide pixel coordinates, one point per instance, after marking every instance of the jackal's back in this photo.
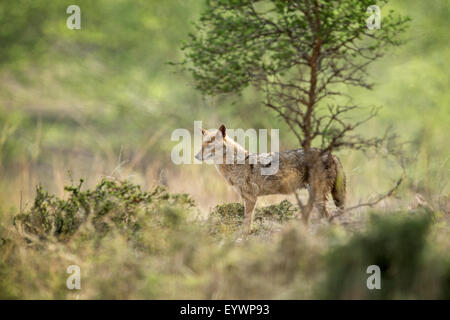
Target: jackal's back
(292, 174)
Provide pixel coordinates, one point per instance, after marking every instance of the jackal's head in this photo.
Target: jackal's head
(213, 144)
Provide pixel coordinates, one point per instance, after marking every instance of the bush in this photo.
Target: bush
(398, 244)
(112, 204)
(226, 219)
(147, 245)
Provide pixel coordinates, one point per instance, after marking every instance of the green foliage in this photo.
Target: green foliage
(397, 244)
(226, 219)
(150, 245)
(108, 80)
(282, 211)
(243, 42)
(22, 36)
(118, 205)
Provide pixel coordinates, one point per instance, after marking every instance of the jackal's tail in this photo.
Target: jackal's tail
(338, 190)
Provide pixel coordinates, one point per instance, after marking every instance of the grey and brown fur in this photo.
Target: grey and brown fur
(247, 180)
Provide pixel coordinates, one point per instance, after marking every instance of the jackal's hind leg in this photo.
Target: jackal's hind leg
(321, 206)
(249, 205)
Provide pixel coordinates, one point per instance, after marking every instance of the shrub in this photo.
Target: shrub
(281, 212)
(398, 244)
(134, 244)
(112, 204)
(226, 219)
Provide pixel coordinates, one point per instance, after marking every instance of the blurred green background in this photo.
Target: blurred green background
(103, 100)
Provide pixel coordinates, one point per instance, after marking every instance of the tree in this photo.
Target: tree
(300, 54)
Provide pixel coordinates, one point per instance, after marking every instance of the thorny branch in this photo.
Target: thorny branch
(372, 203)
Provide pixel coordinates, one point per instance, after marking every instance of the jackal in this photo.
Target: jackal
(249, 182)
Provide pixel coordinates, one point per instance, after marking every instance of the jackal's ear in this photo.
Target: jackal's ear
(203, 131)
(223, 130)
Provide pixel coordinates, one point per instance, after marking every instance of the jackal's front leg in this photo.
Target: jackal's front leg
(249, 206)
